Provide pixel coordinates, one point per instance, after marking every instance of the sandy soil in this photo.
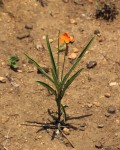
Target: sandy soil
(93, 92)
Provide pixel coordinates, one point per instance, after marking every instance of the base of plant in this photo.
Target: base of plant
(54, 129)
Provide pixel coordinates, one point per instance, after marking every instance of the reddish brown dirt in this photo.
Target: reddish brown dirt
(86, 95)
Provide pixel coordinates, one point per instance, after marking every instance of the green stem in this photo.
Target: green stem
(66, 52)
(58, 53)
(59, 108)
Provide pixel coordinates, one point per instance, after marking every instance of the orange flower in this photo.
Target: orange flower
(64, 38)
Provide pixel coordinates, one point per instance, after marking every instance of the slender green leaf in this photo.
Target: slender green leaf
(51, 56)
(71, 80)
(40, 68)
(48, 87)
(58, 55)
(56, 80)
(77, 61)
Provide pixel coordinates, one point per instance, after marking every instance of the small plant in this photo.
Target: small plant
(60, 80)
(106, 11)
(13, 62)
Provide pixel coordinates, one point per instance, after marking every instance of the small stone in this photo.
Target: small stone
(81, 30)
(82, 128)
(24, 65)
(2, 80)
(75, 50)
(29, 26)
(66, 131)
(91, 64)
(72, 39)
(90, 1)
(20, 71)
(29, 71)
(39, 46)
(23, 35)
(15, 84)
(83, 15)
(57, 132)
(96, 32)
(113, 84)
(117, 121)
(3, 63)
(89, 105)
(79, 2)
(82, 124)
(73, 21)
(65, 1)
(44, 37)
(107, 95)
(72, 56)
(50, 40)
(99, 145)
(97, 104)
(107, 114)
(111, 110)
(100, 125)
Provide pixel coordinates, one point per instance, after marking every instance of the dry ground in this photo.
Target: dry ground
(25, 100)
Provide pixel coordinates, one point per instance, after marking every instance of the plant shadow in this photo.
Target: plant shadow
(55, 125)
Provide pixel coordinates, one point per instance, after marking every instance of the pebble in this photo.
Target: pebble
(44, 37)
(89, 105)
(90, 1)
(113, 84)
(72, 56)
(20, 71)
(100, 125)
(107, 114)
(96, 32)
(15, 84)
(82, 124)
(29, 26)
(66, 131)
(107, 95)
(57, 132)
(65, 1)
(97, 104)
(23, 35)
(75, 50)
(117, 121)
(79, 2)
(2, 80)
(50, 40)
(99, 145)
(91, 64)
(39, 46)
(81, 30)
(82, 128)
(73, 21)
(3, 63)
(72, 39)
(111, 110)
(83, 15)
